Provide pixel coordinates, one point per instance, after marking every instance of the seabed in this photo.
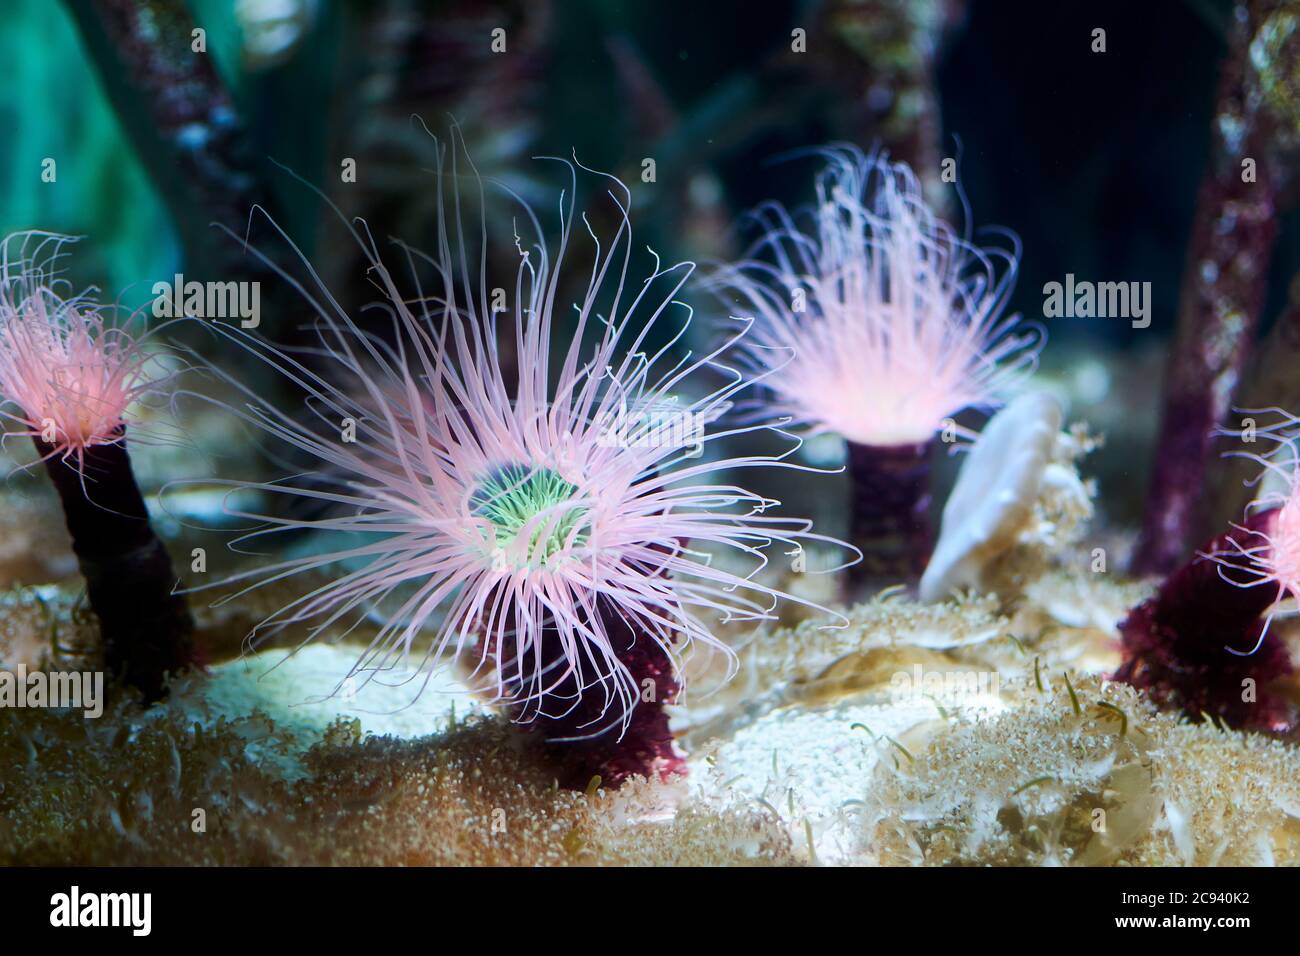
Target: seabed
(977, 730)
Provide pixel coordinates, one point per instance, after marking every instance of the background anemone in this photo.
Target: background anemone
(70, 377)
(72, 380)
(1205, 641)
(877, 322)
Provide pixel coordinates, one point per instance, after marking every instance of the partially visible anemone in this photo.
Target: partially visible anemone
(71, 377)
(74, 380)
(501, 508)
(1269, 554)
(878, 322)
(1204, 642)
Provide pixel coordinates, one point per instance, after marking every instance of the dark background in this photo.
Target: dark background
(1093, 160)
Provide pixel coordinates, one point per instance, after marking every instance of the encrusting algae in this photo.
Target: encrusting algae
(477, 795)
(973, 730)
(943, 788)
(1087, 772)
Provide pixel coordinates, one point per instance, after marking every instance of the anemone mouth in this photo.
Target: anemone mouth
(531, 508)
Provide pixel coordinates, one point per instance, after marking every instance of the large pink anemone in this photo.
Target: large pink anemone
(528, 515)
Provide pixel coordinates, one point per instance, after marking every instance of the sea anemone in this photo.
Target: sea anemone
(71, 380)
(878, 323)
(520, 514)
(1204, 641)
(1268, 552)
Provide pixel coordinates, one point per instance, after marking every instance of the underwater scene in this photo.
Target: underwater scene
(811, 433)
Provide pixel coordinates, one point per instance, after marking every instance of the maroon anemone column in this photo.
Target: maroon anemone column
(145, 627)
(889, 511)
(1178, 644)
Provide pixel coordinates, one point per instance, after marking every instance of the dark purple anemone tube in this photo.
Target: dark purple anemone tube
(1178, 645)
(588, 734)
(889, 516)
(583, 732)
(146, 629)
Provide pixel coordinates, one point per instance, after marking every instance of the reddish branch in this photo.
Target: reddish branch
(1224, 283)
(180, 117)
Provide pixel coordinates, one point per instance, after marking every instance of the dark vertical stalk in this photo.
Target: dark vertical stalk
(614, 754)
(1224, 283)
(181, 118)
(882, 54)
(145, 627)
(890, 511)
(1271, 383)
